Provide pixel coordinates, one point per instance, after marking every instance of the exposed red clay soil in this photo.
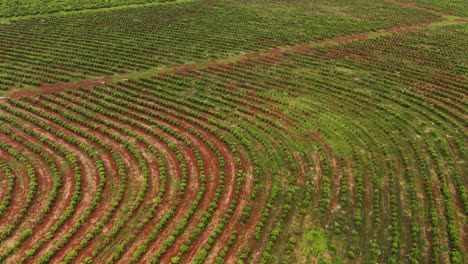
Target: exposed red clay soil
(171, 200)
(89, 183)
(19, 192)
(152, 188)
(206, 135)
(210, 166)
(108, 196)
(52, 88)
(62, 200)
(42, 170)
(191, 191)
(227, 197)
(148, 201)
(184, 69)
(243, 230)
(3, 188)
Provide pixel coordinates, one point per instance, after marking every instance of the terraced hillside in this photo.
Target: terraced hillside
(347, 148)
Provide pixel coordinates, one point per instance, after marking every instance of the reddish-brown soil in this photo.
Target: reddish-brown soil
(226, 199)
(52, 88)
(211, 138)
(234, 223)
(153, 188)
(129, 237)
(62, 200)
(184, 125)
(184, 69)
(191, 191)
(211, 169)
(113, 182)
(19, 192)
(208, 168)
(89, 183)
(42, 172)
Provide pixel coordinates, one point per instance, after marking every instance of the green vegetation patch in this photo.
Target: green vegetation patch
(314, 242)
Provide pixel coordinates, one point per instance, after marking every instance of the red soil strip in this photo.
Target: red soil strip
(184, 69)
(180, 211)
(162, 209)
(4, 184)
(351, 38)
(246, 230)
(52, 88)
(174, 171)
(19, 191)
(106, 194)
(211, 168)
(191, 191)
(169, 202)
(226, 199)
(243, 230)
(42, 170)
(89, 183)
(129, 161)
(62, 200)
(213, 139)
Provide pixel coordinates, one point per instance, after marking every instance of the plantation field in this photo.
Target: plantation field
(235, 132)
(33, 7)
(457, 7)
(76, 46)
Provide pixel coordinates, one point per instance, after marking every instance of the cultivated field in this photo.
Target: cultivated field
(233, 131)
